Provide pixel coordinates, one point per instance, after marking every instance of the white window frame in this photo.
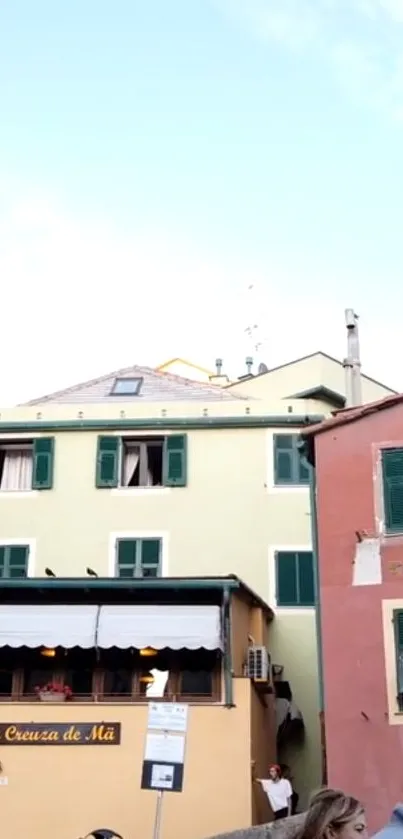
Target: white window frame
(272, 593)
(9, 441)
(271, 486)
(163, 535)
(31, 545)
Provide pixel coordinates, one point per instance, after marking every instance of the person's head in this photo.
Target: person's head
(274, 772)
(333, 815)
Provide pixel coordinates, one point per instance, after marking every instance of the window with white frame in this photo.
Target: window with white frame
(141, 464)
(138, 557)
(14, 561)
(26, 464)
(16, 466)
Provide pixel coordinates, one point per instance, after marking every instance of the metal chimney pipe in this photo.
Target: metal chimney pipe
(352, 363)
(249, 365)
(218, 366)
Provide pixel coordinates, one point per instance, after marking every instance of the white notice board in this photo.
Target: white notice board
(168, 716)
(165, 748)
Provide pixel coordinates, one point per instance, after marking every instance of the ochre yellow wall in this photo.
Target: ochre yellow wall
(263, 751)
(65, 791)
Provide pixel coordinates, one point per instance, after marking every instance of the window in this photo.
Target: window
(141, 461)
(112, 675)
(26, 465)
(126, 387)
(289, 468)
(295, 578)
(14, 561)
(392, 474)
(138, 557)
(398, 628)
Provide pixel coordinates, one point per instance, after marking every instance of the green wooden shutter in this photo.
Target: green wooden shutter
(392, 470)
(398, 627)
(17, 561)
(2, 560)
(43, 462)
(107, 471)
(306, 583)
(126, 557)
(150, 557)
(175, 461)
(286, 575)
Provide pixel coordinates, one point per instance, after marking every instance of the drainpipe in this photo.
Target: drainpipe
(228, 685)
(314, 531)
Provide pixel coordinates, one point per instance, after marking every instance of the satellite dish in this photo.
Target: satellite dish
(263, 368)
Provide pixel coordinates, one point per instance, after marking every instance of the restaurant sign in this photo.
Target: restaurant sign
(60, 734)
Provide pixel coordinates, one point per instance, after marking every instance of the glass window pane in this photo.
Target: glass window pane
(197, 682)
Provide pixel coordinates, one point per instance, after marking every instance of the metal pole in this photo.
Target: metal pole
(158, 810)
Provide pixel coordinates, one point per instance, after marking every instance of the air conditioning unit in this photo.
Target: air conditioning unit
(258, 664)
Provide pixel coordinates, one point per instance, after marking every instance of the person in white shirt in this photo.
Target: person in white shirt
(278, 791)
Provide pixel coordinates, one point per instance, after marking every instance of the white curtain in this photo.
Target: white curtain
(130, 464)
(17, 470)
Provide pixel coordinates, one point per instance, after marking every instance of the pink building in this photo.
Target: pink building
(358, 460)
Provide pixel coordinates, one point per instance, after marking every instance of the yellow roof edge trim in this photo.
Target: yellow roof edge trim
(188, 363)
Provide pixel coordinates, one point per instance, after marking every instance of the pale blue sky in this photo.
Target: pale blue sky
(158, 157)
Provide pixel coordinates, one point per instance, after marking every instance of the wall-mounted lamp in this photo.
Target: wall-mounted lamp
(147, 679)
(147, 652)
(48, 652)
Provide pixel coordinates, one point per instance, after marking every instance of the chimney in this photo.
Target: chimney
(249, 365)
(219, 378)
(352, 363)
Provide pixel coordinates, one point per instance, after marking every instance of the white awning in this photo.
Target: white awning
(48, 626)
(123, 626)
(176, 627)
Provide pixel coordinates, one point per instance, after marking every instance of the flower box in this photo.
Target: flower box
(52, 696)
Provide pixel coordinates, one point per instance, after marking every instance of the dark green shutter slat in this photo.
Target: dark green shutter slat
(107, 472)
(43, 462)
(17, 561)
(175, 460)
(287, 594)
(392, 469)
(127, 551)
(306, 582)
(150, 552)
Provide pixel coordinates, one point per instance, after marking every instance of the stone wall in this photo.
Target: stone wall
(284, 829)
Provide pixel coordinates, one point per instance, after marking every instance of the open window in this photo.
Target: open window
(113, 675)
(142, 460)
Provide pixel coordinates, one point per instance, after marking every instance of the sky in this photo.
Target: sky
(174, 171)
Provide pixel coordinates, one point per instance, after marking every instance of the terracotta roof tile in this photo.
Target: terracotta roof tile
(346, 415)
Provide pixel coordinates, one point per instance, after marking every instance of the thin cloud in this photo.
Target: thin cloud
(359, 40)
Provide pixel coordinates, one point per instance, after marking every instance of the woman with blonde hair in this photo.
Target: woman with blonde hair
(333, 815)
